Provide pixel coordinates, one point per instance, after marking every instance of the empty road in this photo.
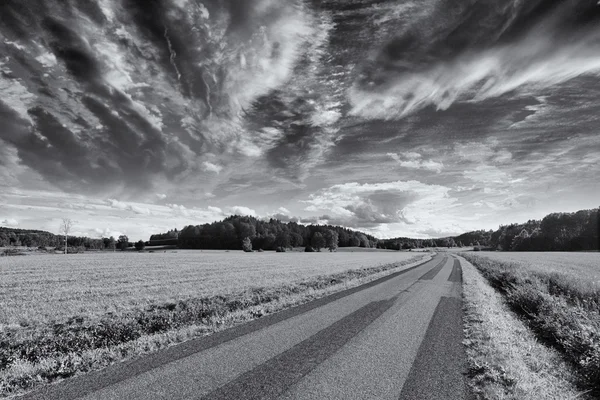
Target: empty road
(396, 338)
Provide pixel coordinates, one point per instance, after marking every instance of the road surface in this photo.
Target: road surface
(396, 338)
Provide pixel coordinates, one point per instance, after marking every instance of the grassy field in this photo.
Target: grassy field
(62, 315)
(558, 295)
(52, 288)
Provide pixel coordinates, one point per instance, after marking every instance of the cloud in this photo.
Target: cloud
(210, 167)
(241, 210)
(9, 222)
(414, 160)
(372, 204)
(525, 47)
(136, 208)
(208, 66)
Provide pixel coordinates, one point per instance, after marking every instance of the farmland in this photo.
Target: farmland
(557, 295)
(38, 289)
(66, 314)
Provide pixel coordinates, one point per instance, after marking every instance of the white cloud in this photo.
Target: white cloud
(161, 196)
(241, 210)
(136, 208)
(210, 167)
(47, 59)
(373, 204)
(529, 66)
(414, 160)
(9, 222)
(283, 210)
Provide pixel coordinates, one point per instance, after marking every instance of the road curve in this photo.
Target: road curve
(397, 337)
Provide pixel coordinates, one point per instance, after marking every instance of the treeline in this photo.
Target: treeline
(36, 238)
(230, 233)
(556, 232)
(472, 239)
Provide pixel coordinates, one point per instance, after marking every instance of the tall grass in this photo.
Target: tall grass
(561, 309)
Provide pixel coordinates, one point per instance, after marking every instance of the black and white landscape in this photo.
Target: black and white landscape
(300, 199)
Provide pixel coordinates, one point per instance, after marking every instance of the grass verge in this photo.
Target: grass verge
(505, 359)
(29, 358)
(560, 315)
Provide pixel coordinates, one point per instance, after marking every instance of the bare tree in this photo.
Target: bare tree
(65, 229)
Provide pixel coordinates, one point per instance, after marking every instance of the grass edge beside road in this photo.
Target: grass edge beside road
(505, 359)
(562, 314)
(145, 331)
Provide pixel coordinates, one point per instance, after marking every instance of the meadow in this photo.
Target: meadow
(62, 315)
(558, 296)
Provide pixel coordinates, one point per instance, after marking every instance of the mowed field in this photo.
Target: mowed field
(50, 288)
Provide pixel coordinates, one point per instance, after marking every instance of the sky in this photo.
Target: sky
(409, 118)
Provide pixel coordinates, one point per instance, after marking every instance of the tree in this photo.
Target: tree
(283, 240)
(123, 242)
(318, 241)
(247, 245)
(139, 246)
(296, 239)
(331, 240)
(65, 229)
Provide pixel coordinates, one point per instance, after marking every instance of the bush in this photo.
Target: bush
(309, 249)
(247, 245)
(260, 250)
(280, 249)
(139, 246)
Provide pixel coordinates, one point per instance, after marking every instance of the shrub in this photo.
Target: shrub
(280, 249)
(247, 245)
(309, 249)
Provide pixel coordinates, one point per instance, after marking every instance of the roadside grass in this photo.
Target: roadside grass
(560, 308)
(505, 359)
(46, 353)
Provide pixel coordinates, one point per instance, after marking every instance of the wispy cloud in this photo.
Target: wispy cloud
(415, 161)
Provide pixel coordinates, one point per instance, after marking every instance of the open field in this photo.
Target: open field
(558, 295)
(39, 289)
(66, 314)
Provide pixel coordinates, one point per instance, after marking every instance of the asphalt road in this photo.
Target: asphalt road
(396, 338)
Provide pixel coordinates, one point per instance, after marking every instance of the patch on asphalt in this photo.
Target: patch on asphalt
(438, 372)
(429, 275)
(456, 274)
(274, 377)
